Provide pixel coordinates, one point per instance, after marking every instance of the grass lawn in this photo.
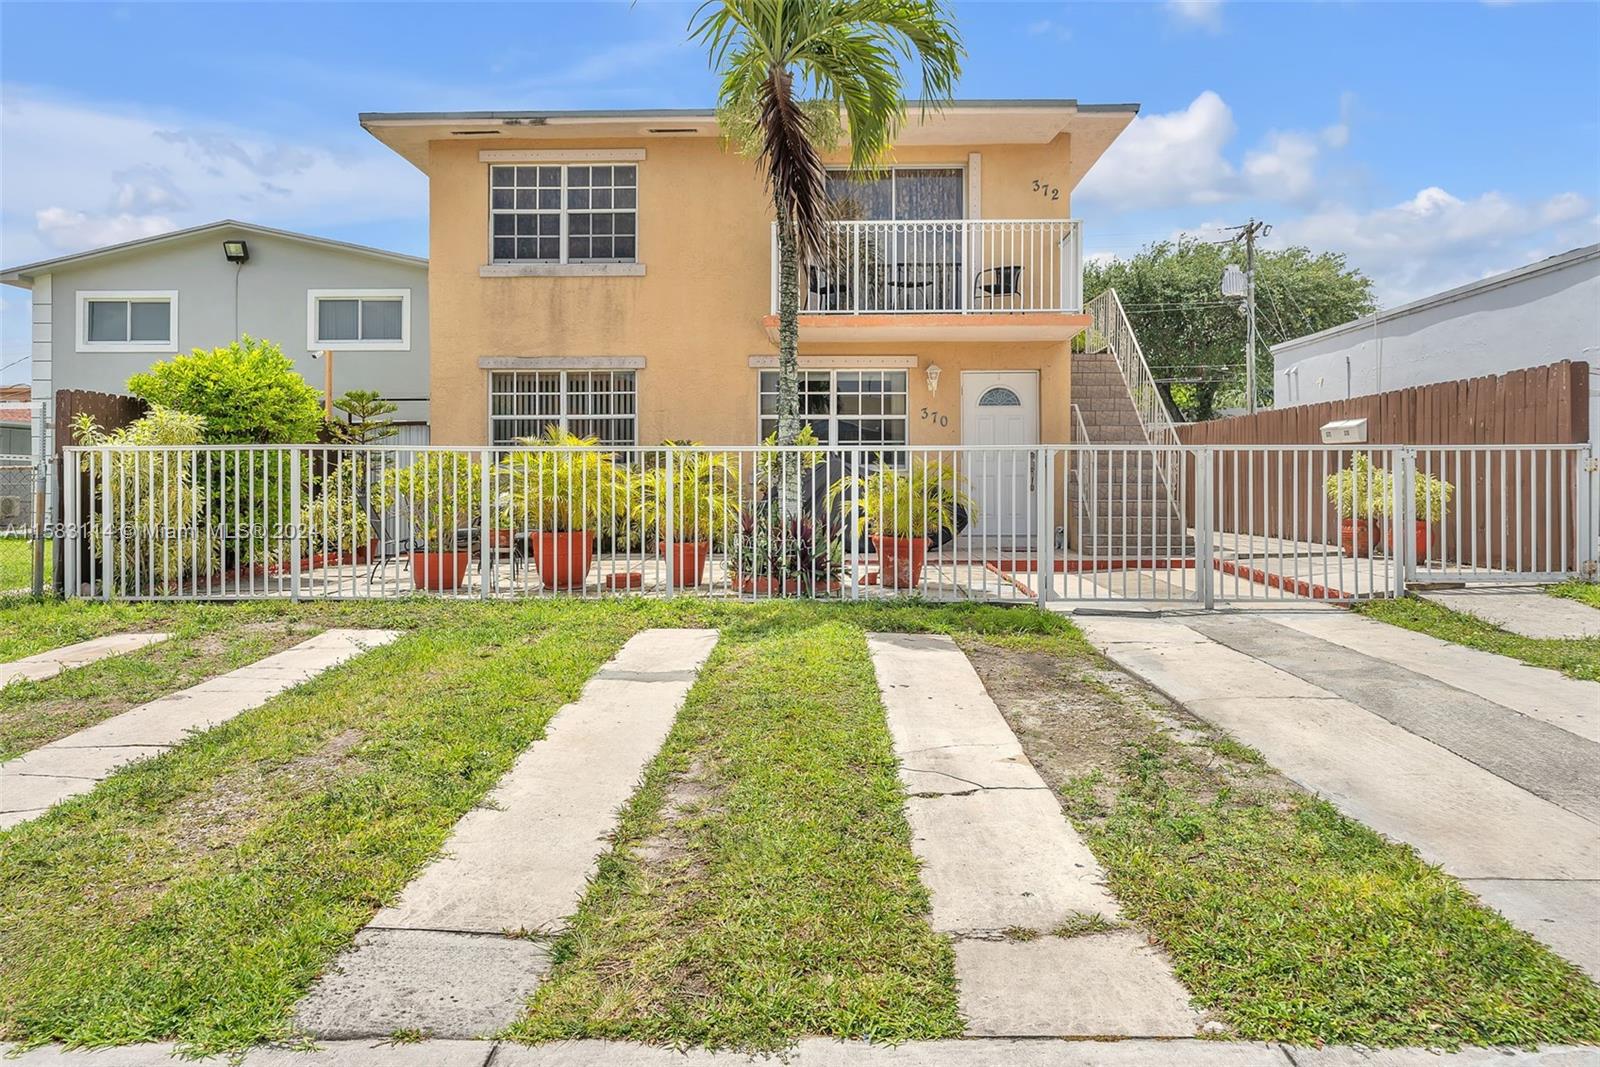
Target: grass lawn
(1286, 920)
(16, 564)
(1583, 592)
(761, 887)
(1576, 657)
(195, 896)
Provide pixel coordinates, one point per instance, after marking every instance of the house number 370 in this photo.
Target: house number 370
(937, 418)
(1046, 190)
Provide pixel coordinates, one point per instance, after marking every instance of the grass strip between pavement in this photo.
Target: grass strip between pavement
(1576, 657)
(763, 886)
(1583, 592)
(195, 896)
(1286, 920)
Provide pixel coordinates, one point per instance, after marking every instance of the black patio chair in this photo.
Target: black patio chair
(827, 291)
(993, 282)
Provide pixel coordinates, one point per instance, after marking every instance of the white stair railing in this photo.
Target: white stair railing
(1110, 321)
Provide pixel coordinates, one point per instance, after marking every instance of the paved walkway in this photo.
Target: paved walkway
(1489, 768)
(467, 943)
(1524, 610)
(49, 664)
(999, 856)
(51, 773)
(825, 1052)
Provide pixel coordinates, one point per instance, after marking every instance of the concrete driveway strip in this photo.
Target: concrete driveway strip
(999, 857)
(1485, 830)
(30, 784)
(1545, 760)
(1537, 692)
(466, 944)
(1525, 610)
(44, 665)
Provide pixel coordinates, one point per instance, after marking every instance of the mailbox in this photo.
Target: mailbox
(1345, 432)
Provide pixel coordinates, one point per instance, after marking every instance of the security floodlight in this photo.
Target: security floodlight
(236, 251)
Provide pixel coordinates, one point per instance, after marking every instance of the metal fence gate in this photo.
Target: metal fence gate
(23, 549)
(1051, 524)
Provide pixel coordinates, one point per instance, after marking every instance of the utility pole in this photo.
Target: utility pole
(1250, 231)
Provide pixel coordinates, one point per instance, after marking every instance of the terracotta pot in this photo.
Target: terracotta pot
(1357, 536)
(562, 556)
(900, 560)
(1422, 541)
(436, 571)
(688, 561)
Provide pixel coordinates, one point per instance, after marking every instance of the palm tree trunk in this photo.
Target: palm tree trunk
(788, 330)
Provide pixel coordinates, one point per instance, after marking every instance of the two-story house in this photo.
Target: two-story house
(614, 272)
(102, 315)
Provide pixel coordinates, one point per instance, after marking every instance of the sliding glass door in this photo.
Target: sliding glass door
(899, 247)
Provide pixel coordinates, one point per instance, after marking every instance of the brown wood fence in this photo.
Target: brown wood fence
(1513, 509)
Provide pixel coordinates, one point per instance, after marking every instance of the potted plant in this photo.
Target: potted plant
(441, 489)
(1431, 499)
(703, 493)
(561, 493)
(901, 509)
(1360, 494)
(334, 524)
(776, 556)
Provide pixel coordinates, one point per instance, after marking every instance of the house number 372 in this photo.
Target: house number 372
(1046, 190)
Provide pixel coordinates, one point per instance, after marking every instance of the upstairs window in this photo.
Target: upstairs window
(127, 321)
(564, 213)
(354, 319)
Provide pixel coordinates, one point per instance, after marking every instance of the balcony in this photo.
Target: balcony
(954, 279)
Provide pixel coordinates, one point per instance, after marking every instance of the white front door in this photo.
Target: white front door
(1001, 408)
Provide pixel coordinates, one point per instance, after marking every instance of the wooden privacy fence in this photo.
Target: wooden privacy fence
(1515, 509)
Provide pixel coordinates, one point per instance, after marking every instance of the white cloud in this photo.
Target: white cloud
(1051, 29)
(1167, 160)
(149, 172)
(1182, 158)
(1436, 240)
(1284, 168)
(1204, 14)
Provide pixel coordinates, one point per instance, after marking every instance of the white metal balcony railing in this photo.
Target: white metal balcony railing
(962, 266)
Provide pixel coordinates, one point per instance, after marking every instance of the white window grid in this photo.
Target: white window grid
(587, 403)
(564, 213)
(844, 406)
(128, 298)
(315, 298)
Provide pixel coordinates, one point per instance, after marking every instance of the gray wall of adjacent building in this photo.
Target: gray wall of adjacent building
(271, 303)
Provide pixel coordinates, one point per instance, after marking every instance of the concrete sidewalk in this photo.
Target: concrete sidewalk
(42, 665)
(1487, 767)
(826, 1052)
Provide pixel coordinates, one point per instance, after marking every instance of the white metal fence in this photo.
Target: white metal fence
(1053, 523)
(951, 265)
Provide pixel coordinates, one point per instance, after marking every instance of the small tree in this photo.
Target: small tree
(248, 392)
(366, 418)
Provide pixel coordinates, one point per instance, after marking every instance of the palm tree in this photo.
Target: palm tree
(846, 56)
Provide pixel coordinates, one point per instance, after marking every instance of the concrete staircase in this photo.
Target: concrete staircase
(1119, 504)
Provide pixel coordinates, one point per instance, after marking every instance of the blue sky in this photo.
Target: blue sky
(1432, 142)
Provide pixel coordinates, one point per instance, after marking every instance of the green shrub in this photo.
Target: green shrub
(248, 392)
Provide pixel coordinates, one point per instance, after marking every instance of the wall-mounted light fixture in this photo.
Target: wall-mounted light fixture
(933, 379)
(236, 251)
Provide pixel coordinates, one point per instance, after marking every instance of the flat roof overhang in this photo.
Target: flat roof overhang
(964, 122)
(936, 326)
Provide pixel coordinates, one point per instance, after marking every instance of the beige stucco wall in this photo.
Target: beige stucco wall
(695, 316)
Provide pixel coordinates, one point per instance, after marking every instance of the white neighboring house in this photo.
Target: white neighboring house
(103, 315)
(1539, 314)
